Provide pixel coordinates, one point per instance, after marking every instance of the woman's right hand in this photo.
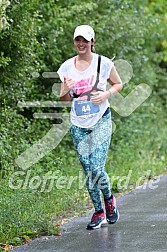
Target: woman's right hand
(66, 86)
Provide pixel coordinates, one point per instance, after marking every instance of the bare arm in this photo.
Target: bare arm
(116, 84)
(115, 81)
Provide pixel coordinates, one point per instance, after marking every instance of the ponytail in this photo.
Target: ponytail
(93, 47)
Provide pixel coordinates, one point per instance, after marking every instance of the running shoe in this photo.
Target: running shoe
(98, 219)
(112, 213)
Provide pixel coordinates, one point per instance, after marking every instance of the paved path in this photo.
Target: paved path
(142, 227)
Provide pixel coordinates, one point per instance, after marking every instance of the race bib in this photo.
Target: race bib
(85, 108)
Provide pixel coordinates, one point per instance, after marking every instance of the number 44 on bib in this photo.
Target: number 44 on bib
(85, 107)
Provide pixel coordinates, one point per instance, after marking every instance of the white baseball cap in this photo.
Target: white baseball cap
(85, 31)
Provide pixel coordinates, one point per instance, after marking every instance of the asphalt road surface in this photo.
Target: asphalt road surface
(142, 227)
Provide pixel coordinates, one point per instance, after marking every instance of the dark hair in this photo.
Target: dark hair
(93, 47)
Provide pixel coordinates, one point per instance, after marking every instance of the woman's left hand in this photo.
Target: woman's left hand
(99, 97)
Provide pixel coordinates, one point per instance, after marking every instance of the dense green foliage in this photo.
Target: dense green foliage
(36, 37)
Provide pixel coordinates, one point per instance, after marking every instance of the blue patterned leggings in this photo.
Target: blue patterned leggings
(92, 147)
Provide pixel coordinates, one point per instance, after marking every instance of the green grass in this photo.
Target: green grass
(140, 153)
(28, 210)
